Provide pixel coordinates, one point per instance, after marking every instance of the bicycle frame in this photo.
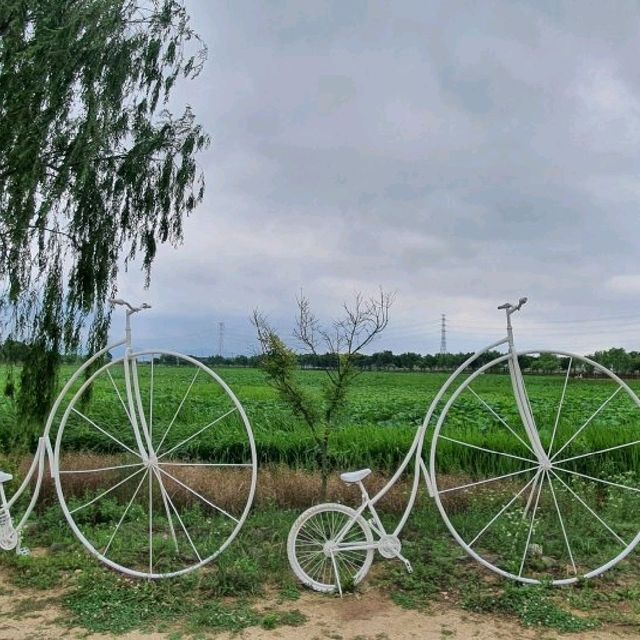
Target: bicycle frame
(45, 451)
(415, 451)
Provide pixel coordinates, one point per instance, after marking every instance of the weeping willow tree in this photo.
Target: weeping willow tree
(95, 170)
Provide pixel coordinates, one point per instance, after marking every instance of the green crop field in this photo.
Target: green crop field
(377, 428)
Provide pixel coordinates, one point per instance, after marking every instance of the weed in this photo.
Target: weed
(534, 606)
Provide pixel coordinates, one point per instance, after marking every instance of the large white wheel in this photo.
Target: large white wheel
(155, 464)
(316, 557)
(559, 522)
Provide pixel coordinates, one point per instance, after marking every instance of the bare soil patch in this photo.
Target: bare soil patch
(27, 614)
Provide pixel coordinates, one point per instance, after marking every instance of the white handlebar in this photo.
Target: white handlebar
(510, 308)
(132, 309)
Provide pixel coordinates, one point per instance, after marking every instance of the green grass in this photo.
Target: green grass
(225, 597)
(251, 584)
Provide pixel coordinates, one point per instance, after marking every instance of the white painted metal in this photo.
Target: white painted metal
(546, 468)
(542, 464)
(317, 559)
(151, 460)
(143, 450)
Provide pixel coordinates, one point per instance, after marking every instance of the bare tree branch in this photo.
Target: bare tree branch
(345, 338)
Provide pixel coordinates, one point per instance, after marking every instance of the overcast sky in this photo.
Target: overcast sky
(461, 154)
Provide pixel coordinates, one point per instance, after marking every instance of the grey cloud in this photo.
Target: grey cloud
(461, 153)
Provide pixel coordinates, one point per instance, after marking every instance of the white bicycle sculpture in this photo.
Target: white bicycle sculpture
(159, 507)
(550, 489)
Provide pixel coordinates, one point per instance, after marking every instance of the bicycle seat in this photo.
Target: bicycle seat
(354, 476)
(5, 477)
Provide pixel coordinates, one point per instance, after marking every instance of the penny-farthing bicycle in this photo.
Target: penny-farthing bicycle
(533, 464)
(154, 461)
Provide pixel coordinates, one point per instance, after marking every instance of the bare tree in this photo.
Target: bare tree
(363, 319)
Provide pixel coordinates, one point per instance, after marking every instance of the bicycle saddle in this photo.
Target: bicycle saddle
(354, 476)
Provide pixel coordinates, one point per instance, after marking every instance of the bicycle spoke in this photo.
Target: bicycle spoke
(151, 401)
(504, 508)
(308, 546)
(175, 415)
(349, 565)
(491, 410)
(163, 494)
(205, 464)
(608, 482)
(307, 538)
(346, 529)
(534, 486)
(336, 573)
(151, 522)
(318, 524)
(197, 433)
(493, 451)
(564, 532)
(598, 452)
(557, 421)
(354, 558)
(479, 482)
(332, 517)
(124, 406)
(104, 493)
(97, 469)
(93, 424)
(193, 546)
(597, 411)
(319, 565)
(590, 510)
(533, 519)
(133, 497)
(195, 493)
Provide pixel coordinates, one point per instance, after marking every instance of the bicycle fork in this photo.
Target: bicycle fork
(526, 415)
(142, 431)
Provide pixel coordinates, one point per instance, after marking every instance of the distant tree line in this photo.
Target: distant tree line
(617, 360)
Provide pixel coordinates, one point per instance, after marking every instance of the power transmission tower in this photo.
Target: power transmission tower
(220, 338)
(443, 335)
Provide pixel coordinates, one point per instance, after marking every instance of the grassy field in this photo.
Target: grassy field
(252, 585)
(376, 430)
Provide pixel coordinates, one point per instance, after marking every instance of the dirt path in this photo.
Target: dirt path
(35, 615)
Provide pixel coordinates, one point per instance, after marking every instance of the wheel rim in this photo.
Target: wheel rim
(171, 498)
(523, 519)
(311, 549)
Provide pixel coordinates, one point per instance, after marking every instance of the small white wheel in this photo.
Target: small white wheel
(555, 518)
(155, 464)
(314, 555)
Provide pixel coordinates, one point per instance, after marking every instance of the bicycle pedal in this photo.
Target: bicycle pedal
(408, 566)
(23, 551)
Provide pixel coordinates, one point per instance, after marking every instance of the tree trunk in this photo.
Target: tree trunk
(324, 463)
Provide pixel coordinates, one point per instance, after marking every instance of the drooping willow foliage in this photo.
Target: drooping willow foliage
(94, 168)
